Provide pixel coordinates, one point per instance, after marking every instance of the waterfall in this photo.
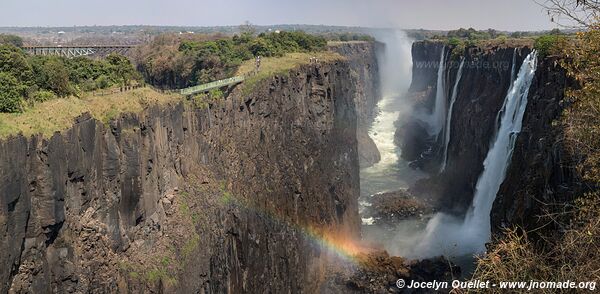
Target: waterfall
(437, 117)
(512, 79)
(499, 156)
(448, 235)
(449, 116)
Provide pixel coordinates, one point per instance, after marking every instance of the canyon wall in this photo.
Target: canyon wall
(362, 57)
(225, 197)
(485, 80)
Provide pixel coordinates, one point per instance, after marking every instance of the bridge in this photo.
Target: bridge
(212, 85)
(74, 51)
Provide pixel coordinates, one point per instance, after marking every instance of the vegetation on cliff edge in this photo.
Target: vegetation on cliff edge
(174, 62)
(26, 80)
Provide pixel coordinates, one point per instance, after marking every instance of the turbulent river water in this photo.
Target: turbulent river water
(391, 173)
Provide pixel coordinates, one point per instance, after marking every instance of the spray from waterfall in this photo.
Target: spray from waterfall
(451, 236)
(449, 116)
(395, 67)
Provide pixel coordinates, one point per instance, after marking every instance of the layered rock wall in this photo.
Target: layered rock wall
(224, 198)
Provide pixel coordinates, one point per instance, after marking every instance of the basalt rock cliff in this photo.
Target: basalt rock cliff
(220, 199)
(363, 60)
(535, 175)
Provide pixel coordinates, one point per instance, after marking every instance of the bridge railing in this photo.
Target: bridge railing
(211, 85)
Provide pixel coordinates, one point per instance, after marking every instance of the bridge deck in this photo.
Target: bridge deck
(74, 51)
(211, 85)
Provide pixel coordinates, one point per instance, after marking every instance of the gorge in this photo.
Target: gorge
(398, 145)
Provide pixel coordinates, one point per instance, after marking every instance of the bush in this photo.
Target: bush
(549, 44)
(568, 256)
(453, 41)
(102, 82)
(11, 93)
(43, 95)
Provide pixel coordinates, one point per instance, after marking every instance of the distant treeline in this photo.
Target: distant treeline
(474, 35)
(345, 37)
(26, 79)
(178, 61)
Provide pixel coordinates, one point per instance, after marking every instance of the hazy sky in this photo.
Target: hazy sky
(430, 14)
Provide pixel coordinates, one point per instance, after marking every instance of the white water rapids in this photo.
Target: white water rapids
(390, 173)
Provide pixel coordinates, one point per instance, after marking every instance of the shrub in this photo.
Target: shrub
(102, 82)
(453, 41)
(43, 95)
(549, 44)
(11, 93)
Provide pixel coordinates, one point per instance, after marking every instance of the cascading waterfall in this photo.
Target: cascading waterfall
(449, 116)
(512, 79)
(451, 236)
(438, 115)
(499, 156)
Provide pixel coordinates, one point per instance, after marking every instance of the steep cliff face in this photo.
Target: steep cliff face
(210, 200)
(481, 90)
(362, 57)
(535, 172)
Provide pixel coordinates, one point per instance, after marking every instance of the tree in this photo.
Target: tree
(10, 93)
(14, 61)
(11, 40)
(121, 67)
(55, 77)
(572, 13)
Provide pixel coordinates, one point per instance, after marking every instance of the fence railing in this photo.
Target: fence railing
(212, 85)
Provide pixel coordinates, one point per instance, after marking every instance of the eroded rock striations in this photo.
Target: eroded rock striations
(363, 61)
(183, 199)
(535, 175)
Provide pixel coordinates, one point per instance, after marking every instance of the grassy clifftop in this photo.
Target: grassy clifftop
(271, 66)
(58, 114)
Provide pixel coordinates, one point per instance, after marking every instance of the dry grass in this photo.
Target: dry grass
(571, 255)
(58, 114)
(271, 66)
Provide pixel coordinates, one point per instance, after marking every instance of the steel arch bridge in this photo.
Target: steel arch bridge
(74, 51)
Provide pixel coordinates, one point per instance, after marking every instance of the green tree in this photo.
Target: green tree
(54, 76)
(10, 93)
(121, 67)
(14, 61)
(11, 40)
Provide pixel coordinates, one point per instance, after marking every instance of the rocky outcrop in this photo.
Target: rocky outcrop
(184, 199)
(368, 154)
(376, 272)
(391, 207)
